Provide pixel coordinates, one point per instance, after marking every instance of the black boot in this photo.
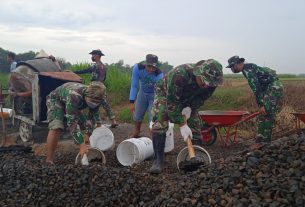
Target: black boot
(159, 145)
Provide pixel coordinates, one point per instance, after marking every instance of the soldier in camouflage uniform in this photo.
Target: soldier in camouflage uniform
(69, 100)
(268, 91)
(98, 73)
(187, 85)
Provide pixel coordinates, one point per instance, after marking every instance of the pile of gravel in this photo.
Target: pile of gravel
(271, 176)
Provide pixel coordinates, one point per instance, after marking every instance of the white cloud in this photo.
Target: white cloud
(177, 31)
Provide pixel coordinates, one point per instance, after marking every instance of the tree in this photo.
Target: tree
(5, 66)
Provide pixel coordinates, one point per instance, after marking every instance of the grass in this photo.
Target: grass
(4, 80)
(234, 95)
(225, 98)
(117, 82)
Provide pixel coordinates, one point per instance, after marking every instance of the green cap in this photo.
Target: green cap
(234, 60)
(152, 60)
(96, 91)
(209, 71)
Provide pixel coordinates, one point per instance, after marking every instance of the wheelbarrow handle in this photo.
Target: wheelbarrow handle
(251, 116)
(190, 147)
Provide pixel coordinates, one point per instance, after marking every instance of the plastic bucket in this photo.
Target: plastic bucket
(134, 150)
(6, 113)
(93, 154)
(102, 138)
(169, 142)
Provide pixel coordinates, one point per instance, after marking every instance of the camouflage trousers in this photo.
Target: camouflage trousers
(272, 98)
(107, 108)
(57, 116)
(160, 114)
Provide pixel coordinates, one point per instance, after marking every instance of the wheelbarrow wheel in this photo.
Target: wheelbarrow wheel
(208, 138)
(25, 132)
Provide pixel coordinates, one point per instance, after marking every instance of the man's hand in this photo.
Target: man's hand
(52, 57)
(83, 149)
(262, 110)
(132, 107)
(12, 93)
(86, 139)
(187, 112)
(151, 123)
(186, 132)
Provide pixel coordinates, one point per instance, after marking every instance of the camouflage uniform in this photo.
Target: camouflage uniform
(177, 90)
(68, 101)
(268, 91)
(187, 85)
(98, 73)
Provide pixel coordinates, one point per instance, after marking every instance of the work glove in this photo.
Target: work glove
(186, 132)
(85, 160)
(151, 123)
(187, 112)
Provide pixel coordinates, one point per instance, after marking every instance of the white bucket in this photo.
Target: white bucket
(134, 150)
(7, 111)
(169, 142)
(102, 138)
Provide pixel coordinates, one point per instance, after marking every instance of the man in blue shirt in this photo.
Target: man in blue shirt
(11, 59)
(147, 74)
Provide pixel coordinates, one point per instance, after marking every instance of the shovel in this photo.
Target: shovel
(190, 163)
(191, 158)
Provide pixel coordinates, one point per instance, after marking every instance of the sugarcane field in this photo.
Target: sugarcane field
(152, 103)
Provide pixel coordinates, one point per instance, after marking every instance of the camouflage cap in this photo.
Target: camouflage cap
(95, 91)
(209, 71)
(152, 60)
(96, 52)
(234, 60)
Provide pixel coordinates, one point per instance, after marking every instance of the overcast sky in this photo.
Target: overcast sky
(265, 32)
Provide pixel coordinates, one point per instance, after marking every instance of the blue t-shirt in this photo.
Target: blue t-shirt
(147, 81)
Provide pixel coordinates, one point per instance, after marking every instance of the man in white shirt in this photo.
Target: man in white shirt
(11, 59)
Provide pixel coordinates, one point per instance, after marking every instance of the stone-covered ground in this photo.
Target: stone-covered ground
(271, 176)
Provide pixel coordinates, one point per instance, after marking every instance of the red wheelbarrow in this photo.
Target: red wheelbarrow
(223, 122)
(299, 116)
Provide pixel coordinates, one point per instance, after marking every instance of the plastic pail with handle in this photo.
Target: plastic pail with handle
(6, 113)
(102, 138)
(134, 150)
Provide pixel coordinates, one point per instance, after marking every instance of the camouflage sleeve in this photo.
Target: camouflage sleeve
(199, 100)
(101, 70)
(84, 71)
(176, 83)
(73, 114)
(93, 118)
(255, 87)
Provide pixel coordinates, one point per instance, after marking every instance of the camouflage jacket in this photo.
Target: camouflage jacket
(71, 96)
(183, 91)
(98, 72)
(259, 79)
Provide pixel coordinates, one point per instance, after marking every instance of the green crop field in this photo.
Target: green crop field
(234, 94)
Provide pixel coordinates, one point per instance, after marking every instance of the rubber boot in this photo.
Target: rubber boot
(137, 129)
(158, 145)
